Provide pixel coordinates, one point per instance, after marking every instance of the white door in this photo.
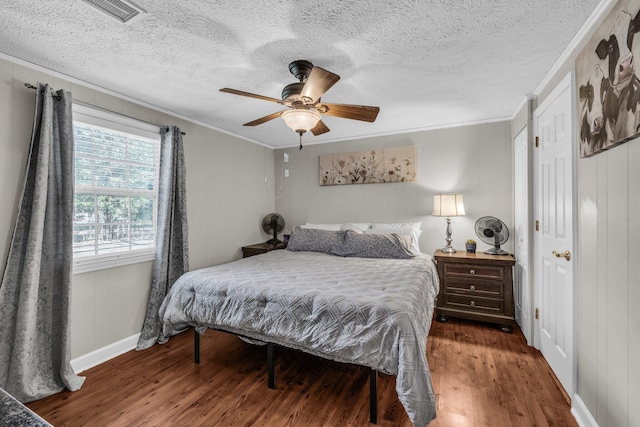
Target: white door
(523, 297)
(554, 211)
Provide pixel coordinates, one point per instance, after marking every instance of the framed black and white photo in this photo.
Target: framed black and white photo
(608, 87)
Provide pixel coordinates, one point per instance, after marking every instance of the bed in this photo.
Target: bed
(370, 311)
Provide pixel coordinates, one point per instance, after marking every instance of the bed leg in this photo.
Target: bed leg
(271, 381)
(196, 346)
(373, 396)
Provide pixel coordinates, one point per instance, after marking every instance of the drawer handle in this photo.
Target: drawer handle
(472, 288)
(472, 272)
(472, 303)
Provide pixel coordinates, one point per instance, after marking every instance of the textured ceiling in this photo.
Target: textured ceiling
(424, 63)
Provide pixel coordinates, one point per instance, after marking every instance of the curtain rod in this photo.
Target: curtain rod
(30, 86)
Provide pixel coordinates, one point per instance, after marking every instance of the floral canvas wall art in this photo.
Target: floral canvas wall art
(369, 167)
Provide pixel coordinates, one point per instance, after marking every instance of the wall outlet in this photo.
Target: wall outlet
(285, 158)
(286, 173)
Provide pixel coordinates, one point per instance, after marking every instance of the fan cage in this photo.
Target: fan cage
(273, 223)
(482, 224)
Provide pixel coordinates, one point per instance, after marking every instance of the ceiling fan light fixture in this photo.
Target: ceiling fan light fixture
(301, 121)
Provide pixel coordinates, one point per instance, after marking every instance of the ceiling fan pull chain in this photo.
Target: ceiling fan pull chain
(300, 141)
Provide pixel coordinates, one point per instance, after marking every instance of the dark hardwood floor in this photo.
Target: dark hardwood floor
(481, 376)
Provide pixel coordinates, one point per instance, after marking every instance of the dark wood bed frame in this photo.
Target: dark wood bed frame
(373, 376)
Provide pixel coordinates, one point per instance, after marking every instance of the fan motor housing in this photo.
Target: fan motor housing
(291, 92)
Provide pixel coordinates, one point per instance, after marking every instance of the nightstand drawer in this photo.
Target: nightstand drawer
(473, 303)
(473, 288)
(475, 271)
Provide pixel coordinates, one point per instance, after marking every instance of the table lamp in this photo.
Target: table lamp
(448, 205)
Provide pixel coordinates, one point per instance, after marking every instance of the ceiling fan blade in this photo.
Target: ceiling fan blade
(264, 119)
(319, 128)
(318, 82)
(364, 113)
(249, 94)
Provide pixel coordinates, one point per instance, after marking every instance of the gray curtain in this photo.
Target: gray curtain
(172, 252)
(36, 285)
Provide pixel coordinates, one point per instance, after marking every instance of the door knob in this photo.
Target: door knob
(565, 254)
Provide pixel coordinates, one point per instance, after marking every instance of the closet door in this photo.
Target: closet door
(523, 296)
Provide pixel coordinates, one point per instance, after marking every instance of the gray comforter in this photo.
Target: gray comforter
(371, 312)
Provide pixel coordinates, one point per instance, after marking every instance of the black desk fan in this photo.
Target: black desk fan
(493, 232)
(273, 223)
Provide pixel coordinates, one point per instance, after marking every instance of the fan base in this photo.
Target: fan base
(496, 251)
(274, 241)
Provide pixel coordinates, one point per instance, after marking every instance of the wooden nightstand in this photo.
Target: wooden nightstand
(261, 248)
(476, 286)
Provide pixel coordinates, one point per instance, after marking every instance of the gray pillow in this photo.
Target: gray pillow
(313, 240)
(374, 245)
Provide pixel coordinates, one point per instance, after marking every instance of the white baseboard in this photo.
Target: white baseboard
(103, 354)
(581, 413)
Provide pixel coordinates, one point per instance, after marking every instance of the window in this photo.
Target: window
(116, 189)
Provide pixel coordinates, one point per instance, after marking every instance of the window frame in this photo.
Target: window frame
(116, 122)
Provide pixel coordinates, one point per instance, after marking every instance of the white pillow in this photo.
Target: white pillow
(360, 227)
(413, 232)
(330, 227)
(412, 225)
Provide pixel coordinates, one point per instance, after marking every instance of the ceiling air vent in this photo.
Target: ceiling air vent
(117, 9)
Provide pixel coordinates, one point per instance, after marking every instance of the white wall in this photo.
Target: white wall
(607, 285)
(224, 207)
(608, 332)
(474, 160)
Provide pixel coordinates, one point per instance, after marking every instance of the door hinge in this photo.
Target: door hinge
(537, 225)
(537, 313)
(537, 141)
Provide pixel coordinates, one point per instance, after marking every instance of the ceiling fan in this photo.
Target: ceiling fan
(303, 99)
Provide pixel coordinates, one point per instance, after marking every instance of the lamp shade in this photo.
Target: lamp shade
(448, 205)
(301, 120)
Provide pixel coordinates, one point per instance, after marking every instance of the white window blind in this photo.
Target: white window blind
(116, 188)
